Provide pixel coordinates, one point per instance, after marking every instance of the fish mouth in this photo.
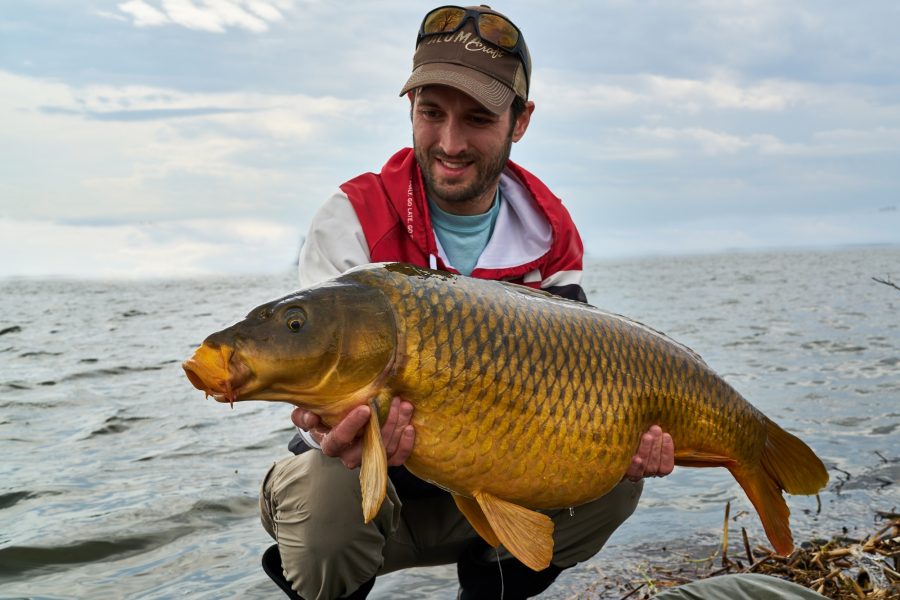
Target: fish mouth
(219, 372)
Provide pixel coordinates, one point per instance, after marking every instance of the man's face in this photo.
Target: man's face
(461, 148)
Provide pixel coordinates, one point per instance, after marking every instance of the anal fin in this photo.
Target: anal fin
(473, 513)
(528, 535)
(696, 458)
(373, 470)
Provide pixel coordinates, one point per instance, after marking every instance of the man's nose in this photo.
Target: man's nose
(452, 137)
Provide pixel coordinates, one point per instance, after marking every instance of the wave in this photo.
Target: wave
(115, 425)
(10, 499)
(18, 560)
(202, 515)
(14, 385)
(110, 371)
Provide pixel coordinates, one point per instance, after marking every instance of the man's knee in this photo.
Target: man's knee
(311, 493)
(311, 505)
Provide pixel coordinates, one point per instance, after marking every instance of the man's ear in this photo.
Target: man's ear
(522, 122)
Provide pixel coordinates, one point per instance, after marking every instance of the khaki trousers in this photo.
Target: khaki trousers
(310, 505)
(745, 586)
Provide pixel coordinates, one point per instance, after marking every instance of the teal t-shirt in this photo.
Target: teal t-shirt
(464, 237)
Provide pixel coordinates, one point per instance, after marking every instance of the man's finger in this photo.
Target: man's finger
(304, 419)
(343, 435)
(352, 456)
(645, 448)
(667, 456)
(653, 457)
(390, 433)
(404, 447)
(635, 470)
(404, 434)
(640, 461)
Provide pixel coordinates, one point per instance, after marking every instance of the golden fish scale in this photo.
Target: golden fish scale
(543, 401)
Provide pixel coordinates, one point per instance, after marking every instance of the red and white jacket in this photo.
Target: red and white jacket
(384, 217)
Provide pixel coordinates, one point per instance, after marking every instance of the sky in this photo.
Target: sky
(179, 138)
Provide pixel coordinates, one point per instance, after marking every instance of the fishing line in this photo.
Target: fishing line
(500, 568)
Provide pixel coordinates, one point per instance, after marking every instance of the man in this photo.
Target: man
(454, 202)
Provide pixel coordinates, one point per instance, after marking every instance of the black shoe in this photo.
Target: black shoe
(271, 564)
(481, 579)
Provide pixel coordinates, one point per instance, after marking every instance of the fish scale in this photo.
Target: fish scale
(544, 402)
(523, 401)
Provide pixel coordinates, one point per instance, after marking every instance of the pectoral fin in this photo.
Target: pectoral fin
(473, 513)
(373, 470)
(528, 535)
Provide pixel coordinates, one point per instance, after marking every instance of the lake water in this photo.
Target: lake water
(118, 480)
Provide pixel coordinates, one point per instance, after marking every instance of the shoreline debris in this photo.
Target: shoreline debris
(842, 568)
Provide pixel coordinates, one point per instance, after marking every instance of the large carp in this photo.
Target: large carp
(522, 400)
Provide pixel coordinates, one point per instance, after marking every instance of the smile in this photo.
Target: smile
(453, 165)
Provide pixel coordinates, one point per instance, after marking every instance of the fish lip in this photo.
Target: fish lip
(226, 380)
(191, 368)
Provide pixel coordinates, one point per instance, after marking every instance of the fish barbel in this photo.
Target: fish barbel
(523, 400)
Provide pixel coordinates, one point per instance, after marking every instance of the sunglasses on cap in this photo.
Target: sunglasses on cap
(492, 28)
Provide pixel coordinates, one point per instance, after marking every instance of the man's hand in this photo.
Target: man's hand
(655, 456)
(344, 440)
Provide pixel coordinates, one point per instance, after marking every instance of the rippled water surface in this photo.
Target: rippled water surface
(118, 480)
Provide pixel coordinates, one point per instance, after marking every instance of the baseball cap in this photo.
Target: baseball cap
(461, 58)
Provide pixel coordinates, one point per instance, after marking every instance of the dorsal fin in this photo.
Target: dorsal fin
(523, 289)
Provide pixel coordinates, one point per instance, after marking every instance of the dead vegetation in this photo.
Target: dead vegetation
(841, 568)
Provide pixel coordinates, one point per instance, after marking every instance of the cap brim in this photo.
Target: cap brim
(484, 89)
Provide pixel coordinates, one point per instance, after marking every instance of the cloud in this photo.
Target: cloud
(657, 92)
(138, 152)
(171, 249)
(710, 142)
(717, 93)
(215, 16)
(129, 115)
(140, 115)
(678, 142)
(143, 14)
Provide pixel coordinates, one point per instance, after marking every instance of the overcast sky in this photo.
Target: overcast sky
(182, 137)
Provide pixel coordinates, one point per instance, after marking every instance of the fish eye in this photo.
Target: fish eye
(295, 319)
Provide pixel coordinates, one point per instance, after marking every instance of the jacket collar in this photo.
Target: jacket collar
(525, 227)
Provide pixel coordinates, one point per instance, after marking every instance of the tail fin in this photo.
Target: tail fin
(792, 463)
(786, 464)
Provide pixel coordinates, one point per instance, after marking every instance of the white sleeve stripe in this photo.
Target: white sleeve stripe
(335, 242)
(561, 278)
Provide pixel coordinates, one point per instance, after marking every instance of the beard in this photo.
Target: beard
(487, 173)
